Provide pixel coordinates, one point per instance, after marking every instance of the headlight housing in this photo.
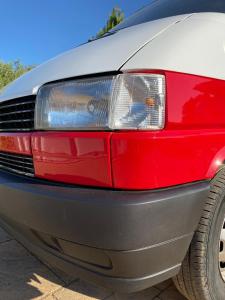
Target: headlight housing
(124, 101)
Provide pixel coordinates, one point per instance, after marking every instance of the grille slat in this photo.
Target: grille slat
(11, 165)
(17, 114)
(17, 171)
(12, 155)
(20, 164)
(12, 161)
(5, 106)
(15, 121)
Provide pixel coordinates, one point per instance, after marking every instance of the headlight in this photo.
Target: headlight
(125, 101)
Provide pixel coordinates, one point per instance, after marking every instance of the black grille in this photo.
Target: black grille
(20, 164)
(17, 114)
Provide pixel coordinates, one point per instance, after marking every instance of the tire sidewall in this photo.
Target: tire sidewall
(215, 281)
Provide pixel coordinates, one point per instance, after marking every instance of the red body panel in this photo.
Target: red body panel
(15, 143)
(144, 160)
(194, 102)
(190, 148)
(76, 157)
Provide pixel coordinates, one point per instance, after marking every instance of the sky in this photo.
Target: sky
(36, 30)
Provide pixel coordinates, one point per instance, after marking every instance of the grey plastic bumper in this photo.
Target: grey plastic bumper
(123, 240)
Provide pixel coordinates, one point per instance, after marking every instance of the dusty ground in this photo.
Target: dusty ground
(24, 277)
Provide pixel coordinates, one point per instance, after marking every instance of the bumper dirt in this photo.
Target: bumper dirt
(125, 241)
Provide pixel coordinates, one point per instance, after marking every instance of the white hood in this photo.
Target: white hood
(103, 55)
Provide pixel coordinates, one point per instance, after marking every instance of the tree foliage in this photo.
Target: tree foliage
(11, 71)
(116, 17)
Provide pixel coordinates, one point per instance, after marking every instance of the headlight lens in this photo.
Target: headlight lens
(125, 101)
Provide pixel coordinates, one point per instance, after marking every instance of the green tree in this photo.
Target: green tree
(11, 71)
(116, 17)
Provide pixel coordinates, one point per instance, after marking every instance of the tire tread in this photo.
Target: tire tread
(192, 279)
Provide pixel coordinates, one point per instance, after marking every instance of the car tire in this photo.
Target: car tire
(201, 274)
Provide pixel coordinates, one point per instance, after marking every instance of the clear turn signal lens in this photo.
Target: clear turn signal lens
(125, 101)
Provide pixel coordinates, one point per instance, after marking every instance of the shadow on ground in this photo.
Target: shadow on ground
(24, 277)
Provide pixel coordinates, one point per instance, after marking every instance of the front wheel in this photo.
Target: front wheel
(202, 275)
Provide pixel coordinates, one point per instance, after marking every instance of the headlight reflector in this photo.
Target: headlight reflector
(125, 101)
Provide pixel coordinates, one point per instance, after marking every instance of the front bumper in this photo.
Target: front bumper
(125, 241)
